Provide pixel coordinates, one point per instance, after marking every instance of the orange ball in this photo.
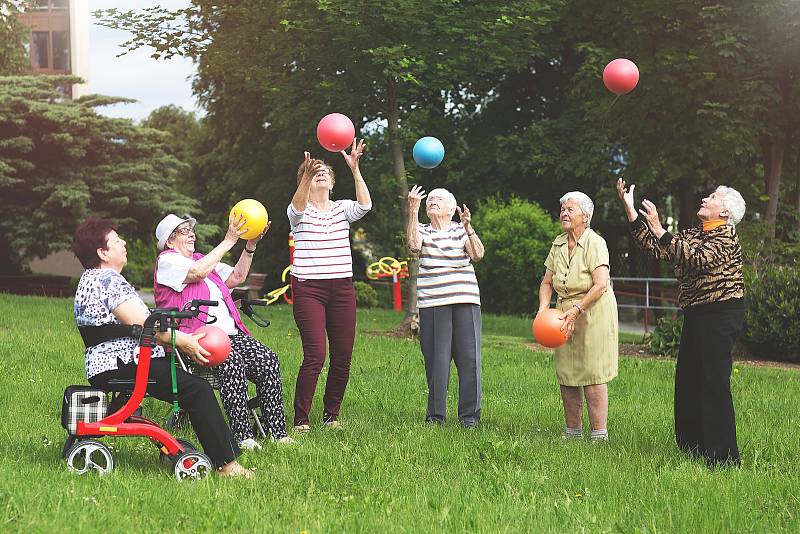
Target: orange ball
(256, 215)
(547, 328)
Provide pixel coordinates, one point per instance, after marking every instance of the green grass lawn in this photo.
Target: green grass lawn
(385, 470)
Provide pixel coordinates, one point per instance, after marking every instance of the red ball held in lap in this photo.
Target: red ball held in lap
(335, 132)
(621, 76)
(547, 328)
(217, 342)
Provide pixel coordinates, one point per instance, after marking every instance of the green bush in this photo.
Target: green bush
(772, 322)
(517, 235)
(666, 338)
(366, 296)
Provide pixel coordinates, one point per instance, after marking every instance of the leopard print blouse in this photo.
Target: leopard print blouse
(708, 265)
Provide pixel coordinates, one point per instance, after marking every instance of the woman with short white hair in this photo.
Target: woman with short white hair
(449, 302)
(577, 268)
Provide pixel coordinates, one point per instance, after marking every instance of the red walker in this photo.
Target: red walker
(84, 454)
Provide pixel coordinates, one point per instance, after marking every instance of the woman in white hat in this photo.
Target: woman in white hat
(183, 274)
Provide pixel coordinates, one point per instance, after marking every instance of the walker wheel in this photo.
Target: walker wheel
(192, 464)
(168, 461)
(68, 443)
(90, 454)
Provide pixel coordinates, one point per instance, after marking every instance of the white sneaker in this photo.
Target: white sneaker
(250, 444)
(285, 440)
(302, 429)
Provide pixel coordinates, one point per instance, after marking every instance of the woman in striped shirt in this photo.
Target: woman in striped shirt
(449, 302)
(322, 281)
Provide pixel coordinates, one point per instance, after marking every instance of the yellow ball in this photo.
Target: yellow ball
(256, 215)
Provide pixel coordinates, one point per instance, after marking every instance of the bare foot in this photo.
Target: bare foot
(235, 469)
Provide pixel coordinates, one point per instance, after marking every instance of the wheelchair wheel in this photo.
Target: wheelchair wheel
(88, 455)
(167, 460)
(192, 465)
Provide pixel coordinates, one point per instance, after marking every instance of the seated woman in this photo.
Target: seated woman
(182, 275)
(105, 297)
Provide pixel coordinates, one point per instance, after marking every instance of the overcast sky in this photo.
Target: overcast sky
(153, 83)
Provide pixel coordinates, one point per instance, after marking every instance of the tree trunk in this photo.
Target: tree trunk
(409, 325)
(773, 147)
(796, 202)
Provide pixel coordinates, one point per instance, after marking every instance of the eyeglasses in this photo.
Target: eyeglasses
(184, 230)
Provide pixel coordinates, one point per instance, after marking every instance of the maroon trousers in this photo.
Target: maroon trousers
(320, 307)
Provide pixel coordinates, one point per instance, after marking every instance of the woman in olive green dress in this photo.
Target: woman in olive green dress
(577, 269)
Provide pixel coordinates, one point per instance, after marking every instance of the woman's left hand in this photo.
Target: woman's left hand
(465, 216)
(251, 243)
(354, 156)
(569, 317)
(650, 214)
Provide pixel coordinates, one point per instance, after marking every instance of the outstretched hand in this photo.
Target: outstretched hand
(650, 214)
(237, 226)
(626, 197)
(356, 151)
(415, 197)
(465, 216)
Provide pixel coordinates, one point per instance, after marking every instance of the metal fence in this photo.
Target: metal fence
(638, 299)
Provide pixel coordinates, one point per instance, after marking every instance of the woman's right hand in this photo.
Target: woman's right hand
(189, 345)
(311, 167)
(626, 197)
(236, 228)
(415, 197)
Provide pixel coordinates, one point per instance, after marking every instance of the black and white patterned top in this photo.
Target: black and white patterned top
(446, 275)
(99, 293)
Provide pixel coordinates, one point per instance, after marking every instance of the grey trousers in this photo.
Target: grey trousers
(452, 330)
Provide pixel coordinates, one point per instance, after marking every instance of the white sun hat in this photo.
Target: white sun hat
(168, 225)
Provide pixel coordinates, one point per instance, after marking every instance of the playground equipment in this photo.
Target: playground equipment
(390, 267)
(286, 290)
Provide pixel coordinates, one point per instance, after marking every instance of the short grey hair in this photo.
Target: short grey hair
(734, 202)
(449, 198)
(586, 204)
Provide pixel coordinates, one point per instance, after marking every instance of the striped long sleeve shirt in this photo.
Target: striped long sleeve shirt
(322, 240)
(446, 275)
(708, 265)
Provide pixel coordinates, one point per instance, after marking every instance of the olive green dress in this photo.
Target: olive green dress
(590, 355)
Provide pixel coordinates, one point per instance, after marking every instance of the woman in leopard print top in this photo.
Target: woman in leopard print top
(708, 264)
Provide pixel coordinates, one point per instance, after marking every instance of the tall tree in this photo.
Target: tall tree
(379, 61)
(61, 161)
(13, 37)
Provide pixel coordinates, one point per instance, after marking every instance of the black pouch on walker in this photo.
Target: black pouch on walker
(82, 403)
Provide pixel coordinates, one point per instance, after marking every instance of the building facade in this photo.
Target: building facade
(59, 42)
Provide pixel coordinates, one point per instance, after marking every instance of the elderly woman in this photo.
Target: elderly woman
(104, 297)
(577, 268)
(449, 302)
(183, 274)
(322, 281)
(708, 265)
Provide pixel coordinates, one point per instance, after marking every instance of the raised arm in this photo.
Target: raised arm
(639, 229)
(413, 237)
(362, 192)
(474, 245)
(242, 267)
(310, 168)
(201, 268)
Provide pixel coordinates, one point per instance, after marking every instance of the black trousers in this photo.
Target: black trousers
(705, 422)
(195, 396)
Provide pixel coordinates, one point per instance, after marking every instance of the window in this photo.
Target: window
(58, 4)
(40, 4)
(40, 45)
(60, 50)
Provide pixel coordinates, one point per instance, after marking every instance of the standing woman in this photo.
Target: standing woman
(708, 264)
(322, 281)
(449, 302)
(577, 269)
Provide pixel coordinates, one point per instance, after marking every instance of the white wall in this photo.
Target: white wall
(79, 44)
